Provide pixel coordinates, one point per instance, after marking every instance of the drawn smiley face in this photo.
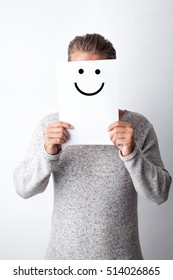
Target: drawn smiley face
(97, 72)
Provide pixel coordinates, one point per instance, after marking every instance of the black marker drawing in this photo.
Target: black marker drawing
(81, 71)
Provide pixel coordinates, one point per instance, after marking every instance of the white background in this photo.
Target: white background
(33, 36)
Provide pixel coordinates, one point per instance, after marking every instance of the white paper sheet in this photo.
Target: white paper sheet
(80, 103)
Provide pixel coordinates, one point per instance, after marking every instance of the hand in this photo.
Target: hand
(122, 135)
(55, 135)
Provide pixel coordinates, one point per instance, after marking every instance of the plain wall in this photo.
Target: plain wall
(33, 36)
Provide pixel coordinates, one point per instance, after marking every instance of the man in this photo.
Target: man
(95, 187)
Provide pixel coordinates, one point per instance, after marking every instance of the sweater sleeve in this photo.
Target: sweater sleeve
(32, 175)
(146, 169)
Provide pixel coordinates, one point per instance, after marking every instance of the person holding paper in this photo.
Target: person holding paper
(95, 186)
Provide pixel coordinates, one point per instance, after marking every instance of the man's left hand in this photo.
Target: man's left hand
(122, 135)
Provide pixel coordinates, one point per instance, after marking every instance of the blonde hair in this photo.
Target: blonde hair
(92, 43)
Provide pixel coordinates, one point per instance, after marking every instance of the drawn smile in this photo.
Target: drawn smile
(91, 93)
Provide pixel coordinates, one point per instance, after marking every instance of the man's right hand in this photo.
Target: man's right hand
(55, 135)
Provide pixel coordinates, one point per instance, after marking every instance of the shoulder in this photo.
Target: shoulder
(50, 118)
(136, 119)
(43, 123)
(143, 127)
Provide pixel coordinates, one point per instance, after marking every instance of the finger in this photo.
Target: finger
(57, 135)
(112, 126)
(118, 124)
(62, 124)
(56, 130)
(115, 137)
(56, 141)
(58, 138)
(120, 142)
(118, 133)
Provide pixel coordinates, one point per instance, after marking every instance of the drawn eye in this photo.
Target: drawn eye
(81, 71)
(97, 71)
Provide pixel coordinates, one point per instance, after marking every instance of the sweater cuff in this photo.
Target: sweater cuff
(50, 157)
(131, 156)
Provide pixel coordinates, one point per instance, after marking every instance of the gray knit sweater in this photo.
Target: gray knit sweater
(95, 192)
